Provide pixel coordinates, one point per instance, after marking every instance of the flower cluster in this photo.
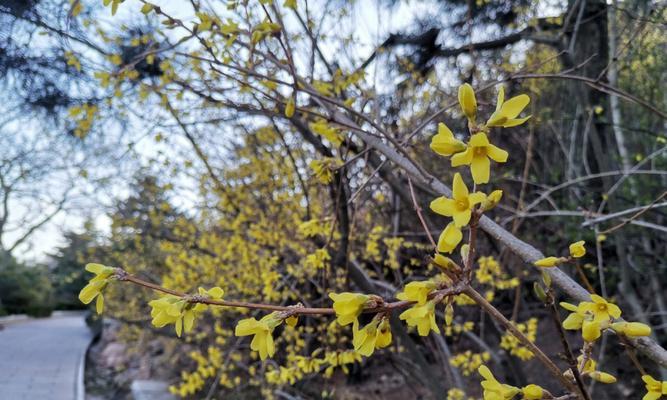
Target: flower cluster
(494, 390)
(592, 317)
(478, 152)
(510, 343)
(94, 288)
(181, 311)
(374, 335)
(590, 369)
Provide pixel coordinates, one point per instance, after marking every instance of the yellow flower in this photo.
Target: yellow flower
(631, 329)
(494, 390)
(444, 143)
(492, 200)
(590, 370)
(94, 288)
(532, 392)
(602, 377)
(167, 310)
(375, 335)
(450, 237)
(468, 102)
(654, 388)
(348, 306)
(460, 206)
(179, 311)
(421, 316)
(262, 341)
(443, 262)
(417, 291)
(577, 249)
(593, 317)
(591, 330)
(548, 262)
(477, 155)
(601, 309)
(507, 111)
(579, 319)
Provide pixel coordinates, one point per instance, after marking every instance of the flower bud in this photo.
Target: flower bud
(602, 377)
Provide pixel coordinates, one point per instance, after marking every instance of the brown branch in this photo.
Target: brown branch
(380, 305)
(498, 316)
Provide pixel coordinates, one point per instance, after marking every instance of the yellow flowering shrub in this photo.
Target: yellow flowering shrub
(308, 275)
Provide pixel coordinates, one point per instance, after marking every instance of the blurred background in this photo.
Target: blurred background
(126, 140)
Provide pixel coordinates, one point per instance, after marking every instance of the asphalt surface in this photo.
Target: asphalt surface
(42, 358)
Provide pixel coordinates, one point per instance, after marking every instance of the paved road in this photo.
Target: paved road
(40, 358)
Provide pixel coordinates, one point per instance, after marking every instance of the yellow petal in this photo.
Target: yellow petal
(179, 326)
(501, 98)
(459, 188)
(479, 140)
(450, 237)
(496, 153)
(99, 304)
(481, 169)
(515, 122)
(89, 292)
(513, 107)
(573, 322)
(478, 197)
(467, 101)
(188, 321)
(246, 327)
(532, 392)
(95, 268)
(443, 206)
(216, 293)
(590, 330)
(463, 158)
(461, 218)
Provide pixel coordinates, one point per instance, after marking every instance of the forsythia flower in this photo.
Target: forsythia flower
(492, 200)
(348, 306)
(590, 370)
(654, 388)
(468, 102)
(179, 311)
(579, 319)
(450, 237)
(494, 390)
(600, 308)
(262, 341)
(577, 249)
(96, 285)
(548, 262)
(443, 262)
(460, 205)
(375, 335)
(417, 291)
(532, 392)
(593, 317)
(421, 316)
(444, 142)
(507, 111)
(631, 329)
(477, 155)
